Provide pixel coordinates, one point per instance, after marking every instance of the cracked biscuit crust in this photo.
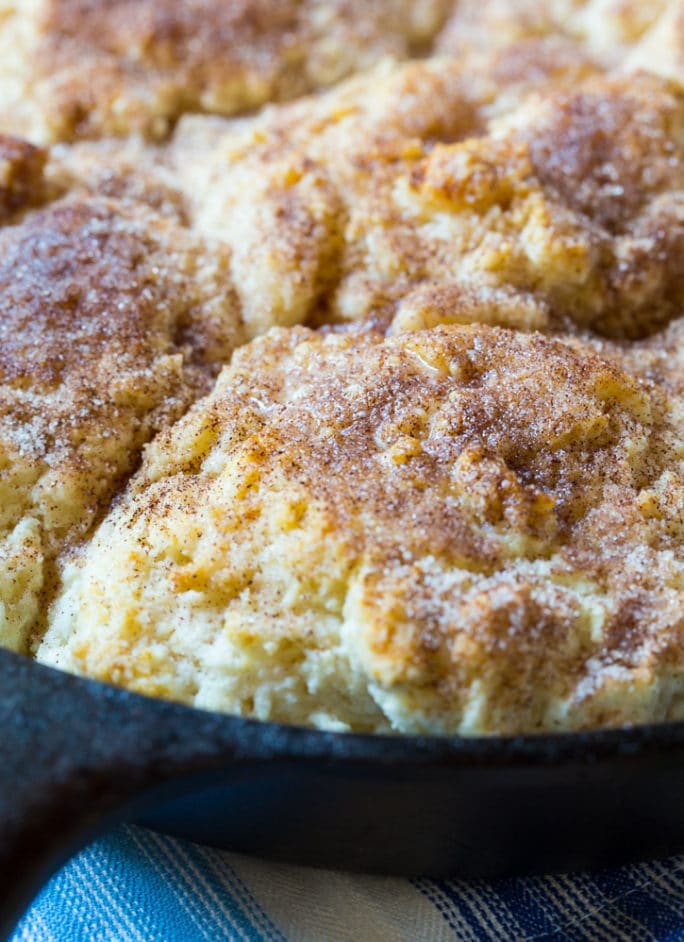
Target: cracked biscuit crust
(112, 320)
(465, 529)
(92, 68)
(425, 516)
(567, 214)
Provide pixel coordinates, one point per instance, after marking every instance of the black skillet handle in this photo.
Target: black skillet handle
(75, 753)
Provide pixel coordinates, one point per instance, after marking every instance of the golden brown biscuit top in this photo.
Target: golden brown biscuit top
(89, 285)
(605, 28)
(403, 515)
(579, 194)
(536, 429)
(112, 321)
(89, 68)
(75, 284)
(346, 205)
(444, 499)
(609, 147)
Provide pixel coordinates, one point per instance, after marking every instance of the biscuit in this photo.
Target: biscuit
(439, 485)
(92, 68)
(607, 30)
(113, 321)
(458, 530)
(353, 204)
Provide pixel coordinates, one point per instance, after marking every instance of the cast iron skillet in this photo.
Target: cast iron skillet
(78, 755)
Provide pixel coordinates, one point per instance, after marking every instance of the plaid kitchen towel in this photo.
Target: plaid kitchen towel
(137, 886)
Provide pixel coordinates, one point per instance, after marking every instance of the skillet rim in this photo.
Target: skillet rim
(297, 741)
(114, 753)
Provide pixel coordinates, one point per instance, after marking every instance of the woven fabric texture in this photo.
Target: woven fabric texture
(137, 886)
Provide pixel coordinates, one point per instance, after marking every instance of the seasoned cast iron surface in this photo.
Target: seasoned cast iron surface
(77, 755)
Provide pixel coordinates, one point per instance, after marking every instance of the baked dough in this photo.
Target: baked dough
(464, 529)
(112, 321)
(355, 204)
(438, 488)
(614, 33)
(91, 68)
